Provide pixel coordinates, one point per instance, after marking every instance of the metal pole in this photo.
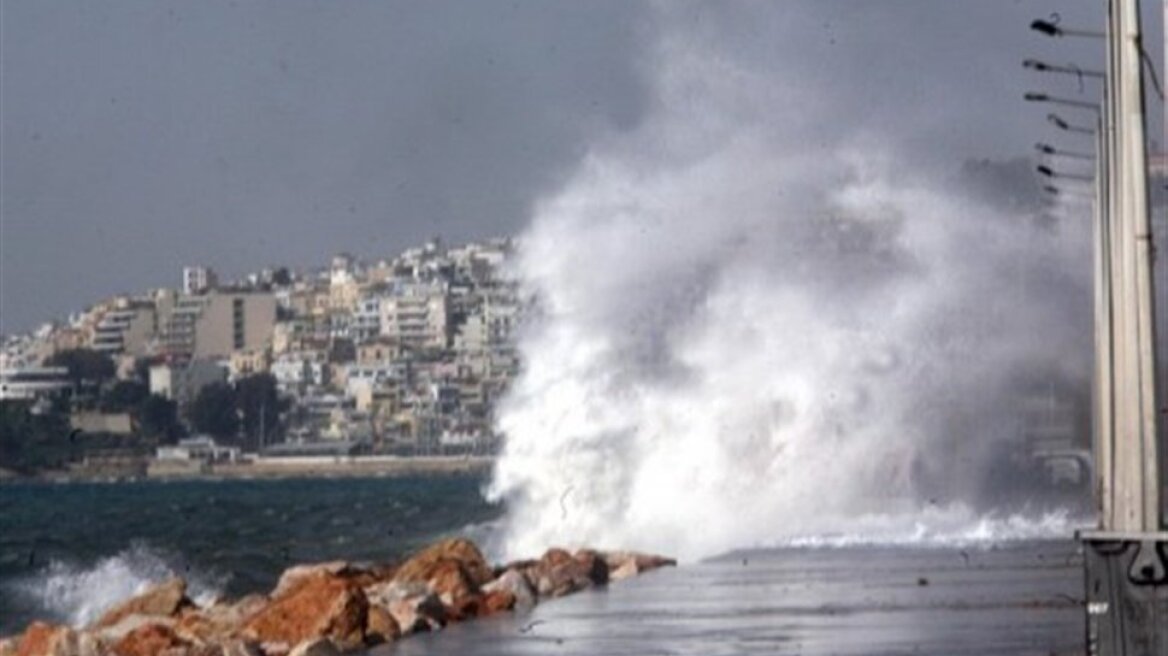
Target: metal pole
(1104, 363)
(1125, 563)
(1136, 467)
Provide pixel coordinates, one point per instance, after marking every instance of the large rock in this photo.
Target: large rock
(294, 576)
(321, 606)
(163, 600)
(318, 647)
(498, 601)
(455, 588)
(412, 604)
(558, 573)
(626, 564)
(115, 632)
(239, 648)
(420, 566)
(149, 640)
(41, 639)
(593, 564)
(218, 622)
(514, 583)
(380, 626)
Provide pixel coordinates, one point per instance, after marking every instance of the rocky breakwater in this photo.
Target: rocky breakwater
(334, 607)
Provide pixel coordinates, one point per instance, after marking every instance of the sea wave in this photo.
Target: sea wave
(955, 526)
(78, 594)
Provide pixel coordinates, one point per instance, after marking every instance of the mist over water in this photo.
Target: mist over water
(755, 329)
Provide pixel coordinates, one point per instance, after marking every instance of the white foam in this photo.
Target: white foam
(952, 527)
(748, 336)
(79, 594)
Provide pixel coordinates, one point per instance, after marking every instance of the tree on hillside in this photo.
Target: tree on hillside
(124, 396)
(214, 411)
(86, 366)
(281, 277)
(259, 405)
(158, 418)
(32, 442)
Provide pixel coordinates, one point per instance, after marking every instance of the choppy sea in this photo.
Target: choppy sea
(69, 550)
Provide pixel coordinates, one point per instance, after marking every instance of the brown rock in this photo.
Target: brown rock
(515, 583)
(418, 614)
(148, 640)
(275, 648)
(217, 622)
(8, 645)
(164, 600)
(321, 606)
(464, 552)
(497, 601)
(41, 639)
(626, 564)
(594, 565)
(318, 647)
(453, 585)
(115, 632)
(557, 573)
(240, 648)
(380, 626)
(294, 576)
(90, 644)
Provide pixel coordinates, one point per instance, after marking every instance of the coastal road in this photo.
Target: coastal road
(1022, 598)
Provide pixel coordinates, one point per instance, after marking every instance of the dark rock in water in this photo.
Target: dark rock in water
(162, 600)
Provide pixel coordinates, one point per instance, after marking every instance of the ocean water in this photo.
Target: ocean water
(67, 551)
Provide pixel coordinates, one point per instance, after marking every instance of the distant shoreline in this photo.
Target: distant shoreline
(276, 469)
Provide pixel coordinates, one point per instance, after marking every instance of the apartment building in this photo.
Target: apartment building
(218, 323)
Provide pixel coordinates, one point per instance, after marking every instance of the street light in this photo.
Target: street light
(1069, 193)
(1032, 96)
(1051, 173)
(1047, 149)
(1052, 29)
(1063, 125)
(1054, 68)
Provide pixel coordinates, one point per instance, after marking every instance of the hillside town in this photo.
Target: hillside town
(403, 356)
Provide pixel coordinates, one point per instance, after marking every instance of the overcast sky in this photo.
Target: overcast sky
(138, 137)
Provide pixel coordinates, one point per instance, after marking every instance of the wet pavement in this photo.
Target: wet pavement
(1021, 598)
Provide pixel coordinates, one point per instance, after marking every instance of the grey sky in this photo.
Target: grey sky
(141, 136)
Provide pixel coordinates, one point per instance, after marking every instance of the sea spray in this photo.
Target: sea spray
(79, 594)
(751, 332)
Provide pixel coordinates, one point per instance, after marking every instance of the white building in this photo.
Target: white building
(198, 279)
(201, 448)
(417, 315)
(32, 383)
